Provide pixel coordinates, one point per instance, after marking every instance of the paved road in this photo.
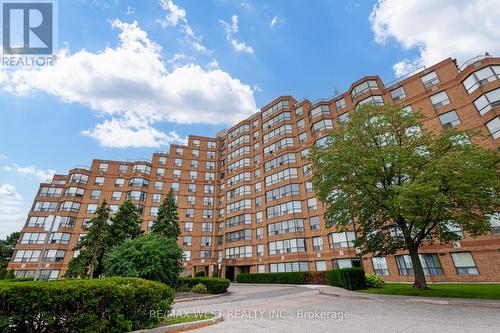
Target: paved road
(296, 309)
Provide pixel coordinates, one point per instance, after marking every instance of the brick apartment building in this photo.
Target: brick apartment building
(245, 201)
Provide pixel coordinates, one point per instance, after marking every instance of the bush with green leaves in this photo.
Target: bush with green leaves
(347, 278)
(199, 288)
(183, 288)
(374, 281)
(278, 278)
(150, 256)
(200, 274)
(214, 285)
(83, 305)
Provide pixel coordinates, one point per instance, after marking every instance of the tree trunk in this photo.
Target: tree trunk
(420, 281)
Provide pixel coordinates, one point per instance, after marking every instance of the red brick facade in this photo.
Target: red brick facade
(231, 219)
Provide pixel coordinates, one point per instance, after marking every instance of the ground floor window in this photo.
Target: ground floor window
(464, 263)
(346, 263)
(320, 265)
(48, 274)
(24, 274)
(261, 268)
(380, 266)
(430, 264)
(296, 266)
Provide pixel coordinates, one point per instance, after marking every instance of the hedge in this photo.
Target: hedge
(214, 285)
(83, 305)
(348, 278)
(279, 278)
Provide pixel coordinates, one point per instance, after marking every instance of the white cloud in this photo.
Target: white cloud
(213, 64)
(30, 171)
(274, 21)
(12, 210)
(131, 81)
(231, 30)
(246, 5)
(176, 16)
(131, 132)
(130, 10)
(460, 29)
(3, 156)
(406, 66)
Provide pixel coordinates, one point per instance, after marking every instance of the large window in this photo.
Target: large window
(430, 79)
(279, 161)
(78, 178)
(138, 182)
(322, 110)
(45, 206)
(449, 119)
(290, 207)
(285, 129)
(346, 263)
(481, 77)
(296, 266)
(276, 120)
(245, 234)
(239, 252)
(464, 263)
(60, 238)
(283, 227)
(281, 192)
(488, 101)
(364, 87)
(275, 108)
(33, 238)
(51, 192)
(293, 245)
(341, 239)
(322, 125)
(398, 94)
(69, 206)
(380, 266)
(440, 99)
(238, 220)
(26, 256)
(377, 100)
(283, 143)
(280, 176)
(430, 264)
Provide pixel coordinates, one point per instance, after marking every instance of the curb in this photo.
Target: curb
(200, 298)
(183, 326)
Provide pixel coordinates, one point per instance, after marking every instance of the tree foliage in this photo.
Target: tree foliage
(125, 224)
(151, 256)
(402, 184)
(7, 246)
(167, 221)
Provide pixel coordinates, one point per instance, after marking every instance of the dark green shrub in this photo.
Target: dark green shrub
(183, 288)
(152, 257)
(374, 281)
(348, 278)
(214, 285)
(83, 305)
(199, 288)
(200, 274)
(278, 278)
(313, 277)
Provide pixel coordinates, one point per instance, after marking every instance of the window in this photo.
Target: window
(103, 167)
(142, 168)
(495, 222)
(205, 254)
(210, 165)
(192, 188)
(341, 239)
(494, 127)
(235, 236)
(440, 99)
(279, 161)
(206, 227)
(464, 263)
(91, 208)
(78, 178)
(317, 243)
(60, 238)
(293, 245)
(340, 104)
(158, 185)
(95, 194)
(119, 182)
(196, 143)
(160, 172)
(304, 153)
(308, 185)
(45, 206)
(33, 238)
(398, 94)
(26, 256)
(261, 268)
(284, 227)
(208, 213)
(322, 110)
(188, 226)
(186, 256)
(162, 160)
(377, 100)
(275, 108)
(282, 130)
(280, 176)
(209, 189)
(211, 144)
(488, 101)
(136, 195)
(299, 111)
(156, 197)
(430, 79)
(290, 207)
(380, 266)
(296, 266)
(54, 255)
(195, 153)
(449, 119)
(301, 124)
(210, 154)
(123, 168)
(175, 187)
(179, 151)
(48, 274)
(138, 182)
(259, 233)
(314, 222)
(343, 118)
(481, 77)
(255, 123)
(276, 120)
(239, 252)
(346, 263)
(99, 181)
(208, 201)
(69, 206)
(320, 265)
(260, 250)
(322, 125)
(187, 241)
(312, 204)
(238, 220)
(364, 87)
(281, 192)
(430, 264)
(205, 241)
(190, 212)
(176, 173)
(36, 222)
(51, 192)
(153, 211)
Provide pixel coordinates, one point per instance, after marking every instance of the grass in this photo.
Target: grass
(187, 318)
(460, 290)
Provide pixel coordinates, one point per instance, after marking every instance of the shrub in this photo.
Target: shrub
(313, 277)
(214, 285)
(82, 305)
(348, 278)
(152, 257)
(374, 281)
(199, 288)
(6, 275)
(184, 288)
(278, 278)
(200, 274)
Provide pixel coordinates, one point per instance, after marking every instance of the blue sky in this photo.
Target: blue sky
(134, 76)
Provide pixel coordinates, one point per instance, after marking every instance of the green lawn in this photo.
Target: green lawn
(187, 318)
(483, 291)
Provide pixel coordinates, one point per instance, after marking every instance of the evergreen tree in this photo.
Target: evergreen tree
(167, 221)
(126, 224)
(401, 185)
(93, 246)
(6, 251)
